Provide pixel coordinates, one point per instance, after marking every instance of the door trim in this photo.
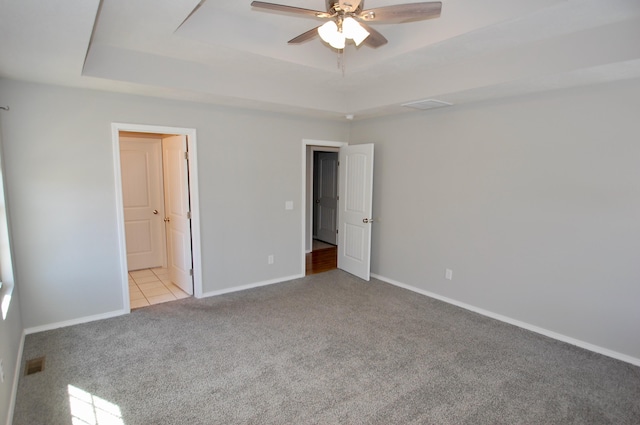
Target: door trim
(116, 128)
(305, 207)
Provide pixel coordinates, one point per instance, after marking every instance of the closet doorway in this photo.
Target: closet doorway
(158, 214)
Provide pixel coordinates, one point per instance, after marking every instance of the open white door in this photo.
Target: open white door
(176, 187)
(354, 216)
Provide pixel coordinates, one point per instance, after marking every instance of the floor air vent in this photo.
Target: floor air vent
(34, 366)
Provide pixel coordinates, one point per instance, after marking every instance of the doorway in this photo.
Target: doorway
(324, 216)
(161, 229)
(320, 195)
(325, 197)
(355, 193)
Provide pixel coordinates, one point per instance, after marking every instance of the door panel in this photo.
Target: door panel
(354, 247)
(326, 196)
(178, 223)
(355, 205)
(141, 166)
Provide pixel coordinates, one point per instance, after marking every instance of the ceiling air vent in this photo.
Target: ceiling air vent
(423, 105)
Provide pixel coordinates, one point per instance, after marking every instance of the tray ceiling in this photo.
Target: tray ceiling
(228, 53)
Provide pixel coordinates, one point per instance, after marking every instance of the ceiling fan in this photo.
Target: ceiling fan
(347, 20)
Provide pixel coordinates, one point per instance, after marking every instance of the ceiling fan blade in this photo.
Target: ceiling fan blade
(195, 9)
(402, 12)
(375, 39)
(290, 9)
(304, 36)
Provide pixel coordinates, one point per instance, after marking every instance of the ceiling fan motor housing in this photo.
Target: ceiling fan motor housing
(345, 6)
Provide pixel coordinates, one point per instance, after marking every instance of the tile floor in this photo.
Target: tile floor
(152, 286)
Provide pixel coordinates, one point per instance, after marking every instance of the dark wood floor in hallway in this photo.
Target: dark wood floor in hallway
(322, 260)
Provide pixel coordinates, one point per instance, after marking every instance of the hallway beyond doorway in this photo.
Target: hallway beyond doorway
(324, 257)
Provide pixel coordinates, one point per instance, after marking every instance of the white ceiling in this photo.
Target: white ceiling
(228, 53)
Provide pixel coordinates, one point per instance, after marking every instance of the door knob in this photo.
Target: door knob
(155, 211)
(167, 219)
(317, 201)
(367, 220)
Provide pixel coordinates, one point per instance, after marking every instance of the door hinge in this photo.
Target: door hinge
(338, 163)
(186, 155)
(189, 215)
(337, 231)
(190, 272)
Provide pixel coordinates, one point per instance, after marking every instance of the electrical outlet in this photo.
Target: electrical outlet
(1, 371)
(270, 259)
(448, 274)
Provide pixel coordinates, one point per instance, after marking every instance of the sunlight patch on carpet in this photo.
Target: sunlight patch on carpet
(88, 409)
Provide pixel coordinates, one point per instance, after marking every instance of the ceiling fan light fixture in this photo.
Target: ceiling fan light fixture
(330, 34)
(327, 30)
(353, 30)
(338, 41)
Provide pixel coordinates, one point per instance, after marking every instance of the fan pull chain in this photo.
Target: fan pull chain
(341, 61)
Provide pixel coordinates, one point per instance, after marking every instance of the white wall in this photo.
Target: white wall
(61, 193)
(533, 202)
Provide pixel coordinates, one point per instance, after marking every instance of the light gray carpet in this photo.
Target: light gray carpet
(326, 349)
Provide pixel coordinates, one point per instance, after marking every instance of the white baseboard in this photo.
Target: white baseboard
(111, 314)
(16, 378)
(251, 285)
(75, 321)
(560, 337)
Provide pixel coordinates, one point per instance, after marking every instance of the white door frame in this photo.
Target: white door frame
(116, 128)
(305, 206)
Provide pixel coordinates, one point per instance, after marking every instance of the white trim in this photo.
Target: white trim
(77, 321)
(303, 227)
(551, 334)
(194, 199)
(251, 285)
(193, 194)
(122, 245)
(16, 378)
